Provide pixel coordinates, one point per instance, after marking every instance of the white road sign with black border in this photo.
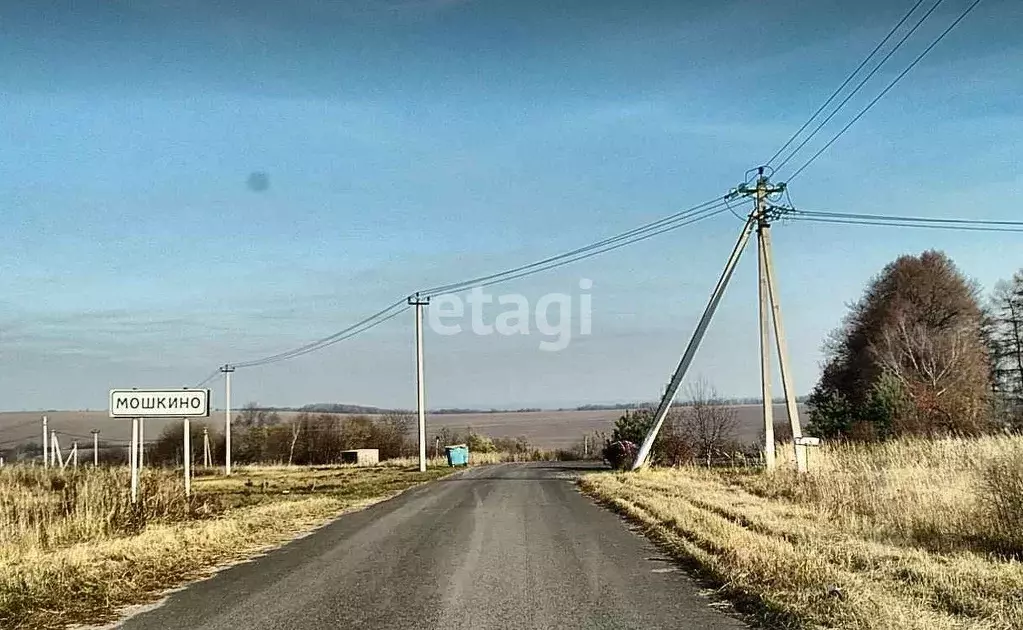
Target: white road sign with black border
(159, 403)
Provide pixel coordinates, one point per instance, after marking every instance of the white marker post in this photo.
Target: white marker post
(46, 445)
(95, 448)
(188, 459)
(142, 443)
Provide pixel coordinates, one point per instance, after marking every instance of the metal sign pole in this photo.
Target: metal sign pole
(188, 459)
(134, 460)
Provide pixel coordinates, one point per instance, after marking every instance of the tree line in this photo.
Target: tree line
(263, 436)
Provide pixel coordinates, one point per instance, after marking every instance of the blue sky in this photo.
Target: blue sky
(414, 143)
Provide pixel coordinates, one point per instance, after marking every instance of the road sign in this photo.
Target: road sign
(808, 441)
(159, 403)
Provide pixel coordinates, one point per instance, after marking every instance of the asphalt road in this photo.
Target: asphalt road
(508, 546)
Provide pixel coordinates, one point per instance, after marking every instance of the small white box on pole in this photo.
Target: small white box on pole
(808, 441)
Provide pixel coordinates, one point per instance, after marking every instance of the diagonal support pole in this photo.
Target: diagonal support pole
(783, 354)
(694, 344)
(765, 348)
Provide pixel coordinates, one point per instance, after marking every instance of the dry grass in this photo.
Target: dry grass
(74, 549)
(908, 534)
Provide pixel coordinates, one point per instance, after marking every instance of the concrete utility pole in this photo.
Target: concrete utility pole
(419, 303)
(95, 448)
(763, 226)
(205, 448)
(763, 213)
(46, 444)
(227, 370)
(55, 454)
(770, 306)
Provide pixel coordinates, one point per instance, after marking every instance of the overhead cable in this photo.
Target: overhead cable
(863, 82)
(848, 80)
(888, 88)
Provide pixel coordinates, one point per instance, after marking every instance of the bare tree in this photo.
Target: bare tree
(702, 428)
(941, 371)
(296, 431)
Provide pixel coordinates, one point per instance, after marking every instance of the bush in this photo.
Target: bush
(620, 454)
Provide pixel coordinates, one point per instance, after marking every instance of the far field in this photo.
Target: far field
(543, 429)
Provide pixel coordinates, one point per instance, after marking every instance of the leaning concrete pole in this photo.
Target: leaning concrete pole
(694, 344)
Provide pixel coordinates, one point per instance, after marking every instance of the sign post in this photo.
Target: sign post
(188, 459)
(139, 404)
(134, 457)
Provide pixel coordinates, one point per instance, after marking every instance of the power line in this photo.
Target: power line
(976, 225)
(680, 216)
(877, 98)
(361, 326)
(863, 82)
(209, 378)
(719, 208)
(848, 79)
(674, 221)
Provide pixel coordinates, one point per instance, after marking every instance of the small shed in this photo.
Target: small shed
(361, 457)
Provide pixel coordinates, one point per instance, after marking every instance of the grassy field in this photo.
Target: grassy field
(907, 534)
(74, 549)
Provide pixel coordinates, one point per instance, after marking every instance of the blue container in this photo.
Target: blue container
(458, 455)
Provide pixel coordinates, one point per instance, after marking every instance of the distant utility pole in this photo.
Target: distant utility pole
(763, 213)
(206, 448)
(55, 455)
(227, 370)
(419, 303)
(46, 445)
(95, 448)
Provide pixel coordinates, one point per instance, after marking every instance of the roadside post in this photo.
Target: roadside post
(133, 457)
(805, 441)
(188, 458)
(138, 404)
